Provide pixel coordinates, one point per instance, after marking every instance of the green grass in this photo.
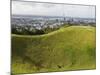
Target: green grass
(69, 48)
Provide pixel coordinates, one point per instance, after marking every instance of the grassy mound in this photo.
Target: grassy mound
(70, 48)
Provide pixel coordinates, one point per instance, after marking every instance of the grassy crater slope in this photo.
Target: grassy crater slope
(70, 48)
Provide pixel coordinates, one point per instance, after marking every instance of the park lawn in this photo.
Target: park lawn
(69, 48)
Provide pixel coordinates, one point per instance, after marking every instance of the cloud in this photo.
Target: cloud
(48, 5)
(79, 11)
(49, 9)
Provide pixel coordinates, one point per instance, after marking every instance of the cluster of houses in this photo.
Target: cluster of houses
(37, 24)
(52, 22)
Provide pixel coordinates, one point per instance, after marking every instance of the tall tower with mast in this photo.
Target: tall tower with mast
(64, 17)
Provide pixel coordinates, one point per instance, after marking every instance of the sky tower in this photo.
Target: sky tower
(64, 17)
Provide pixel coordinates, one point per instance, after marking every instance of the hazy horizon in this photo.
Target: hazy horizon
(49, 9)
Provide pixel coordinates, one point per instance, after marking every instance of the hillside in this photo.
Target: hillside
(70, 48)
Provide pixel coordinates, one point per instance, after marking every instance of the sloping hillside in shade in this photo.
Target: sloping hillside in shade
(70, 48)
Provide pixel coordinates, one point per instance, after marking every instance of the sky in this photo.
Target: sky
(49, 9)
